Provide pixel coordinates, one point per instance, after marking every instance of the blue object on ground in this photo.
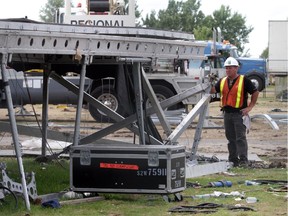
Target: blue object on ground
(220, 184)
(51, 203)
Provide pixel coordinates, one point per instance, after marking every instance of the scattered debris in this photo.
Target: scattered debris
(283, 95)
(51, 204)
(278, 164)
(251, 200)
(277, 110)
(281, 182)
(36, 143)
(250, 183)
(208, 208)
(283, 188)
(193, 185)
(83, 200)
(217, 194)
(222, 183)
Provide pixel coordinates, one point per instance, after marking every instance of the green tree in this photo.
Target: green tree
(203, 33)
(265, 53)
(191, 15)
(187, 16)
(48, 12)
(232, 26)
(137, 13)
(151, 20)
(179, 15)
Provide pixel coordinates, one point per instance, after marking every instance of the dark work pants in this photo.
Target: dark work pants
(235, 132)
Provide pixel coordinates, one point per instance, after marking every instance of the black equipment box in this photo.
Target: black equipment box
(127, 168)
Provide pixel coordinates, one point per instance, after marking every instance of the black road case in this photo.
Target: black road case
(127, 168)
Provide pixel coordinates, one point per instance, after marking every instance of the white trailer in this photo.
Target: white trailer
(277, 65)
(278, 47)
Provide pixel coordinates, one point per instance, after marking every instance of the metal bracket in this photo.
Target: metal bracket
(17, 187)
(153, 158)
(271, 122)
(85, 157)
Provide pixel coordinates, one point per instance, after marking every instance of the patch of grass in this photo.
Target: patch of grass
(51, 177)
(54, 177)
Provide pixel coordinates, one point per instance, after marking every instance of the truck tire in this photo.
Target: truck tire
(257, 81)
(106, 94)
(162, 93)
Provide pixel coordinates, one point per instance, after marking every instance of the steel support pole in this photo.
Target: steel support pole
(139, 100)
(178, 131)
(45, 103)
(198, 130)
(14, 128)
(155, 104)
(80, 101)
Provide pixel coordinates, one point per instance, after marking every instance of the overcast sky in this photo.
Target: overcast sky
(257, 14)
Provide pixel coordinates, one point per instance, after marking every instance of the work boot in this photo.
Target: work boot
(235, 161)
(243, 164)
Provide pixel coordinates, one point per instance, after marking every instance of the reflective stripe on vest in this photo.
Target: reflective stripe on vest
(239, 92)
(221, 90)
(233, 97)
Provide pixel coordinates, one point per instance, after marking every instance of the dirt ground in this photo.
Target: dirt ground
(263, 139)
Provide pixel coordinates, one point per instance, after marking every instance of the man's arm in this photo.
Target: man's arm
(213, 90)
(213, 80)
(253, 101)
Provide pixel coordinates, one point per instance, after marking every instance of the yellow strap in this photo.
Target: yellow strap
(240, 86)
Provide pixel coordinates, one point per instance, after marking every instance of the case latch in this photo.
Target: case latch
(153, 158)
(85, 157)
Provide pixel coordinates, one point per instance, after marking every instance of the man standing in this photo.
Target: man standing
(234, 89)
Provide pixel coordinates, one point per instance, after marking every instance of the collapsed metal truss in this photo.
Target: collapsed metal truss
(35, 41)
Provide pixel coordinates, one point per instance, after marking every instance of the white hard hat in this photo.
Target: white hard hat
(231, 62)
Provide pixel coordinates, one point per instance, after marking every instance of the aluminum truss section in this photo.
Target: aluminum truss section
(156, 104)
(200, 109)
(70, 43)
(128, 121)
(124, 31)
(17, 187)
(97, 104)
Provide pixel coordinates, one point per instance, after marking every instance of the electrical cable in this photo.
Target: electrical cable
(14, 199)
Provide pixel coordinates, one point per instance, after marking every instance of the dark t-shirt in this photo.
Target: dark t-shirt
(248, 88)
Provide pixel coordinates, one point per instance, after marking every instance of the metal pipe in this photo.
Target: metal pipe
(80, 101)
(14, 128)
(139, 100)
(155, 104)
(45, 95)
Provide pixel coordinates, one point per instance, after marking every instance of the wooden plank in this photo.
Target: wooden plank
(79, 201)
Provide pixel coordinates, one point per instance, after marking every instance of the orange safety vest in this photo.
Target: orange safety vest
(233, 97)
